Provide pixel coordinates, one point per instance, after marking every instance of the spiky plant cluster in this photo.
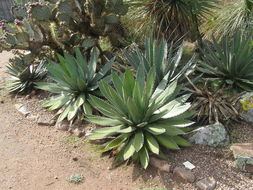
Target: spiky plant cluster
(228, 19)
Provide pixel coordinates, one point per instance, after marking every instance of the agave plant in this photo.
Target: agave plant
(180, 17)
(157, 54)
(212, 103)
(228, 19)
(74, 79)
(231, 61)
(141, 118)
(24, 77)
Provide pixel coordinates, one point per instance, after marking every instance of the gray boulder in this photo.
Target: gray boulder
(212, 135)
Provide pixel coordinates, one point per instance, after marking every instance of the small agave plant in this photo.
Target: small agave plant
(162, 58)
(74, 79)
(141, 118)
(24, 77)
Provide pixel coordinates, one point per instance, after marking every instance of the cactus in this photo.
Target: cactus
(60, 25)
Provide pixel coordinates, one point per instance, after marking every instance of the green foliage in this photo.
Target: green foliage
(24, 77)
(157, 54)
(231, 61)
(142, 118)
(174, 18)
(58, 26)
(74, 79)
(76, 178)
(228, 19)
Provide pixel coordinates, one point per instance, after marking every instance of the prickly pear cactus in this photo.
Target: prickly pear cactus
(60, 25)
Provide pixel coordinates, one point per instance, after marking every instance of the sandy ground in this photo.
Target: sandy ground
(33, 157)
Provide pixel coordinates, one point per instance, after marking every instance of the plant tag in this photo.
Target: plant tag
(189, 165)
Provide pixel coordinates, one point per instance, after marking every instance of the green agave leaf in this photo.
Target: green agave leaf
(64, 113)
(127, 130)
(58, 103)
(104, 121)
(155, 130)
(180, 141)
(109, 130)
(87, 108)
(144, 157)
(129, 150)
(167, 142)
(52, 87)
(138, 141)
(177, 110)
(173, 131)
(152, 143)
(116, 142)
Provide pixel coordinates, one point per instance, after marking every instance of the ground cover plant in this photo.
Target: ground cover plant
(142, 118)
(74, 78)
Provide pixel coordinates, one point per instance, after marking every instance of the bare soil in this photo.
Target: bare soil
(35, 157)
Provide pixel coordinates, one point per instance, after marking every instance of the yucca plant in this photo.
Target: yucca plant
(24, 77)
(74, 79)
(231, 61)
(228, 19)
(180, 17)
(164, 59)
(141, 118)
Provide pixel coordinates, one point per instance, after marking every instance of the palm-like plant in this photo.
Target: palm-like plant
(24, 77)
(228, 19)
(157, 54)
(142, 118)
(74, 79)
(231, 61)
(180, 17)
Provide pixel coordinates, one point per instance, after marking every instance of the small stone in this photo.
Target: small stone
(183, 175)
(55, 177)
(32, 117)
(75, 159)
(206, 184)
(46, 122)
(22, 109)
(63, 126)
(243, 153)
(78, 133)
(161, 165)
(1, 101)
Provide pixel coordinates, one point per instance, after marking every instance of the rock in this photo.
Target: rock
(243, 153)
(75, 159)
(206, 184)
(63, 126)
(161, 165)
(212, 135)
(22, 109)
(46, 122)
(78, 132)
(183, 175)
(32, 117)
(247, 115)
